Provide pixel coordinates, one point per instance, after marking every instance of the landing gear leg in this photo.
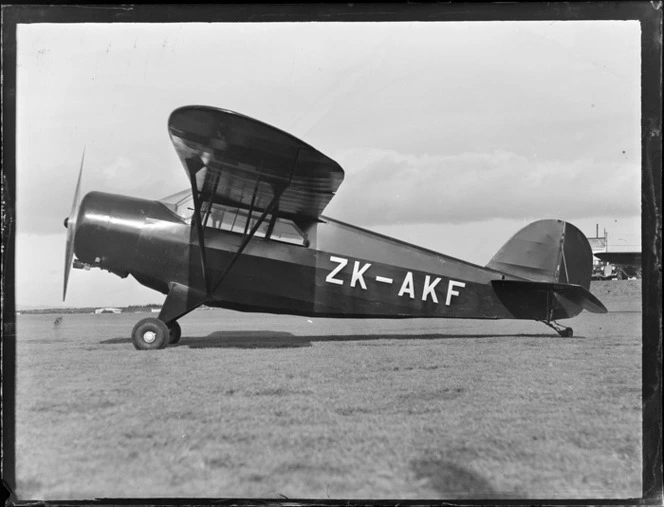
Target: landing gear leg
(175, 332)
(565, 332)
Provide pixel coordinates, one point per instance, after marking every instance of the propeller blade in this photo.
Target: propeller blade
(71, 229)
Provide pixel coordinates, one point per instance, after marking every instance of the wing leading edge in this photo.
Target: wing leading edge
(238, 161)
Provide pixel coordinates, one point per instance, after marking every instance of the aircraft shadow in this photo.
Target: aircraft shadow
(279, 339)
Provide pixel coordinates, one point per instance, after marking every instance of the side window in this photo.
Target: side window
(235, 220)
(287, 232)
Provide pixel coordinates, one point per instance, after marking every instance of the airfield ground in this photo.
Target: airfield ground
(264, 406)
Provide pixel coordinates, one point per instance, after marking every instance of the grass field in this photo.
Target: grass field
(263, 406)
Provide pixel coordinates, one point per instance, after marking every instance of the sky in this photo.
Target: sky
(452, 135)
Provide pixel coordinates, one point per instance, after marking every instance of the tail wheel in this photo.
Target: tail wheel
(565, 332)
(150, 334)
(174, 332)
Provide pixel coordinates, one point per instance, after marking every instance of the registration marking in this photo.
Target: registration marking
(341, 262)
(408, 285)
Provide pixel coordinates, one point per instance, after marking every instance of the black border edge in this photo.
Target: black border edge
(7, 290)
(651, 241)
(649, 14)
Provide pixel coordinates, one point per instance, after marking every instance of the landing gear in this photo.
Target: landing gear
(157, 333)
(565, 332)
(150, 334)
(153, 334)
(175, 332)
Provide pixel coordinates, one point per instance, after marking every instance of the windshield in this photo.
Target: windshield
(181, 203)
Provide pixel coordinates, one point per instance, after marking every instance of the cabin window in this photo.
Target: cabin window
(286, 231)
(235, 220)
(231, 219)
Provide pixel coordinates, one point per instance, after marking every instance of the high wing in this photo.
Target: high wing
(238, 161)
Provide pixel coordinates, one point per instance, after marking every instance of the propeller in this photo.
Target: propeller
(70, 224)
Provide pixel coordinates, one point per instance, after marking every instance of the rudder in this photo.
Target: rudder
(551, 251)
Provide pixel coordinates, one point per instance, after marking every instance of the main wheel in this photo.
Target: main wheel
(175, 332)
(150, 334)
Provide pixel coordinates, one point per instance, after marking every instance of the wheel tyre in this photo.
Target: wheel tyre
(175, 332)
(150, 334)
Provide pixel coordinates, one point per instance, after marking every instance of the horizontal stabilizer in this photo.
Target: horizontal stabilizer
(527, 297)
(580, 296)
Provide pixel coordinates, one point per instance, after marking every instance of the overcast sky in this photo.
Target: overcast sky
(452, 135)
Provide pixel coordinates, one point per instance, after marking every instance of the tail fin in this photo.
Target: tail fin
(549, 251)
(553, 260)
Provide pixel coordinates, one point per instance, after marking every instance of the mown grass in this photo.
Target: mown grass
(263, 406)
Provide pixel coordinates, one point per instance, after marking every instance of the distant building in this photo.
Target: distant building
(601, 270)
(107, 310)
(597, 244)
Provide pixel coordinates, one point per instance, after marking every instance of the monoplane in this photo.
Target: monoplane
(249, 234)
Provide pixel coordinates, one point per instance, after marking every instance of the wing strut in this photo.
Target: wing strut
(251, 207)
(270, 226)
(215, 184)
(193, 166)
(266, 212)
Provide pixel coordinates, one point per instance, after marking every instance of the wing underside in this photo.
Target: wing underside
(238, 161)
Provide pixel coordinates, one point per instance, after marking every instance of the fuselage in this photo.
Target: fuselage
(339, 270)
